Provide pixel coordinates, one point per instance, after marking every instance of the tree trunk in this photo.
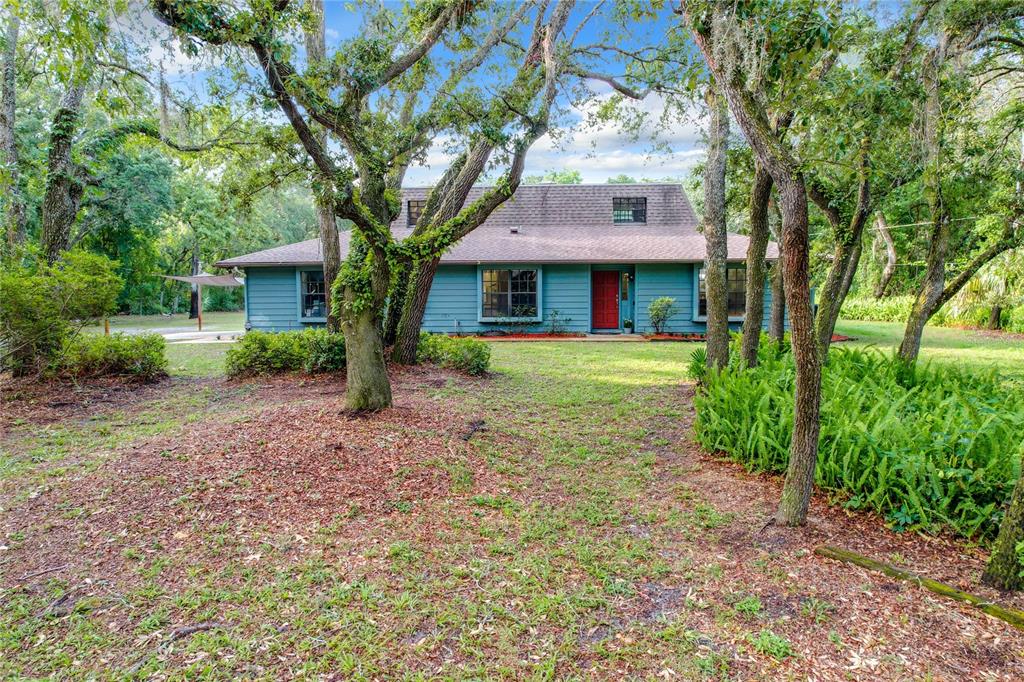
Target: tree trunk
(714, 232)
(753, 314)
(327, 222)
(396, 303)
(1004, 568)
(63, 195)
(14, 221)
(330, 250)
(935, 272)
(890, 255)
(194, 302)
(368, 385)
(995, 316)
(833, 292)
(419, 283)
(803, 448)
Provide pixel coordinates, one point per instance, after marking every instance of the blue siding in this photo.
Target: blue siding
(452, 305)
(272, 299)
(671, 279)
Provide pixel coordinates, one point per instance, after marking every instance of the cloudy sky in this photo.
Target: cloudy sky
(597, 151)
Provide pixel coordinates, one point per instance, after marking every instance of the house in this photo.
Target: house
(591, 257)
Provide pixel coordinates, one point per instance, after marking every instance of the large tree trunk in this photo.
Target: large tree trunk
(417, 291)
(890, 255)
(1004, 568)
(368, 385)
(715, 282)
(803, 448)
(194, 302)
(753, 315)
(64, 188)
(14, 222)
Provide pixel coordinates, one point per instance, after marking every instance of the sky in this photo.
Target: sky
(596, 151)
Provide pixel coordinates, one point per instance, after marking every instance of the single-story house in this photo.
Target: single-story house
(589, 257)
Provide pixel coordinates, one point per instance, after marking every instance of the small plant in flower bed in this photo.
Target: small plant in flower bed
(468, 355)
(138, 357)
(927, 447)
(311, 350)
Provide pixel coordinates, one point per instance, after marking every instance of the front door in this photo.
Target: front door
(605, 299)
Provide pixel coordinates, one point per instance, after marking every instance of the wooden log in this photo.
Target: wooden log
(1011, 616)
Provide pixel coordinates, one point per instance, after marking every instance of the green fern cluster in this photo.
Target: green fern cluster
(927, 447)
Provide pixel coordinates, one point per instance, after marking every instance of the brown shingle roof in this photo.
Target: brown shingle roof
(554, 224)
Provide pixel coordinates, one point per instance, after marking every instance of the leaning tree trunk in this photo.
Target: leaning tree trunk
(418, 290)
(935, 272)
(803, 448)
(9, 187)
(834, 290)
(890, 255)
(714, 232)
(1004, 567)
(64, 188)
(753, 314)
(368, 386)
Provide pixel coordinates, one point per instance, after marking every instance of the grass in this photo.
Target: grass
(961, 347)
(572, 546)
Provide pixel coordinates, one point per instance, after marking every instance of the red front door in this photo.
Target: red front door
(605, 299)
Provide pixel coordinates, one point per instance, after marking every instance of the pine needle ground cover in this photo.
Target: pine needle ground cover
(552, 520)
(932, 447)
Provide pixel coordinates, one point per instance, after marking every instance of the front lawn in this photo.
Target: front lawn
(552, 520)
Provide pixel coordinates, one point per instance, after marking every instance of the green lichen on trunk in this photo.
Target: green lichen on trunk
(1004, 569)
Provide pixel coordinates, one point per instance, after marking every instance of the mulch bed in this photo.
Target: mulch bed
(293, 462)
(44, 402)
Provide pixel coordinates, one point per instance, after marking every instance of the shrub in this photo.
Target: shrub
(311, 350)
(1015, 320)
(42, 305)
(660, 310)
(139, 357)
(472, 356)
(927, 447)
(325, 352)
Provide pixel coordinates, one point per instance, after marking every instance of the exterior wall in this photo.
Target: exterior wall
(454, 299)
(453, 306)
(271, 296)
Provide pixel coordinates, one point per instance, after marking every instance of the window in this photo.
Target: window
(314, 294)
(736, 290)
(508, 293)
(415, 210)
(629, 210)
(625, 286)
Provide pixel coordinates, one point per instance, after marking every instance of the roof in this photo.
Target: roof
(553, 224)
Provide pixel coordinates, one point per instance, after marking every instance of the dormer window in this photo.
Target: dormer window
(414, 211)
(629, 210)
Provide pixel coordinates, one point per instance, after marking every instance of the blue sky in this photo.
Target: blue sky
(596, 151)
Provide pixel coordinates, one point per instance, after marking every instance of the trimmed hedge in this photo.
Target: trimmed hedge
(472, 356)
(927, 447)
(141, 357)
(311, 350)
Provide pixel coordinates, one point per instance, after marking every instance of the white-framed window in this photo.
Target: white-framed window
(509, 293)
(312, 294)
